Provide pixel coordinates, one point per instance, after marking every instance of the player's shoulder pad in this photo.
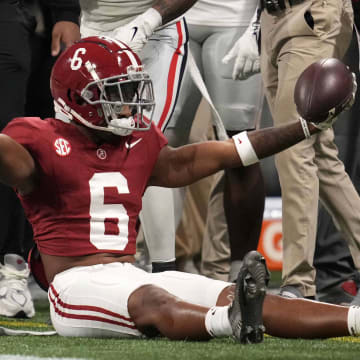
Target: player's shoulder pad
(28, 131)
(25, 123)
(159, 134)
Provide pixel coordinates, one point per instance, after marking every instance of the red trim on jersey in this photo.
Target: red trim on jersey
(87, 308)
(171, 76)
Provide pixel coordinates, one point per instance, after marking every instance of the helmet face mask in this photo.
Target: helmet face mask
(101, 83)
(114, 93)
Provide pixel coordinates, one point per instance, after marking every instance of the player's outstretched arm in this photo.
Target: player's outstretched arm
(189, 163)
(17, 167)
(318, 102)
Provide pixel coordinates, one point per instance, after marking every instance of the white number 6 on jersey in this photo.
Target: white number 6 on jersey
(76, 61)
(100, 211)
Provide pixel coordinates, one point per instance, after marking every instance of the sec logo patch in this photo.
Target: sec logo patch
(62, 147)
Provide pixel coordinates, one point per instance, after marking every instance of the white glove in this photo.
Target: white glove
(334, 112)
(136, 33)
(246, 52)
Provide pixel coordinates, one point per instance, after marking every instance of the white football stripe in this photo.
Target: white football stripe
(132, 57)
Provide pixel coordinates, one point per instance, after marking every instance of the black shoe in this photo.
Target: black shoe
(341, 294)
(245, 312)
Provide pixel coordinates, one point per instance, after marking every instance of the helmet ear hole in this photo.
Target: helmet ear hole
(68, 94)
(79, 100)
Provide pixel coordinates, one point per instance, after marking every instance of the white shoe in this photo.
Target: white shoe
(15, 297)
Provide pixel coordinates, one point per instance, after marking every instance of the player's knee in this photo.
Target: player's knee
(149, 306)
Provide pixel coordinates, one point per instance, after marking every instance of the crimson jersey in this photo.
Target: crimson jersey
(88, 196)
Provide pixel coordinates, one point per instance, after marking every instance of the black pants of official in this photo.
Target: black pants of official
(25, 64)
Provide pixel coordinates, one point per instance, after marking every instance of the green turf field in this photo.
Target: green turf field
(160, 349)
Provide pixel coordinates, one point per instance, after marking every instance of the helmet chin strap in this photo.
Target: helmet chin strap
(118, 126)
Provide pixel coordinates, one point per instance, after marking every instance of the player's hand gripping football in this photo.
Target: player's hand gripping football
(136, 33)
(324, 90)
(246, 52)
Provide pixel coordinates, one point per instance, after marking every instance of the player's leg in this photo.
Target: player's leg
(244, 199)
(239, 105)
(118, 299)
(280, 315)
(155, 311)
(88, 301)
(158, 224)
(301, 318)
(178, 305)
(164, 57)
(154, 308)
(178, 134)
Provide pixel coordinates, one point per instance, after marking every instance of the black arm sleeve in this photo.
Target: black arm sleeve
(64, 10)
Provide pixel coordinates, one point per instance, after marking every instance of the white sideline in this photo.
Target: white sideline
(13, 332)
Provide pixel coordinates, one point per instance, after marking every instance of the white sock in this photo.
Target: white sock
(217, 321)
(353, 320)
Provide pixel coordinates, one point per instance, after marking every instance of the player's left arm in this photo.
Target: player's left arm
(184, 165)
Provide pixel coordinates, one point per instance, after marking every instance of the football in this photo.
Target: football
(324, 87)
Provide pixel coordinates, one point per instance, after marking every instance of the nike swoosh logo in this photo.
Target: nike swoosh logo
(135, 31)
(129, 146)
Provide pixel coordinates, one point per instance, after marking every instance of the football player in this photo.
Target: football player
(80, 177)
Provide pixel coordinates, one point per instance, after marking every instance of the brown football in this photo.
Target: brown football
(324, 86)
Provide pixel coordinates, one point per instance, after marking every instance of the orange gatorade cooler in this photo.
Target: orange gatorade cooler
(270, 243)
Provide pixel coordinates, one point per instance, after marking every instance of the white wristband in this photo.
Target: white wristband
(305, 128)
(245, 149)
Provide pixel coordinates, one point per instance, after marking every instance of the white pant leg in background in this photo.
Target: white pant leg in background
(164, 58)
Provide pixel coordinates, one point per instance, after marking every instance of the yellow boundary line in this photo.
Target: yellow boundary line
(24, 324)
(351, 339)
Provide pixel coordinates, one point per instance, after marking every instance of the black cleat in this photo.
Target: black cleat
(245, 312)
